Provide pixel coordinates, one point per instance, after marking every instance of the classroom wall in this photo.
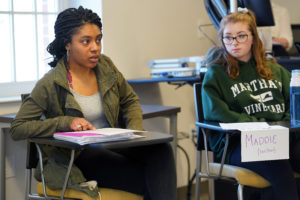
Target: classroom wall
(293, 8)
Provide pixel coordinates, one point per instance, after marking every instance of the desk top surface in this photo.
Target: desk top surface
(191, 79)
(288, 59)
(7, 118)
(149, 111)
(151, 138)
(215, 126)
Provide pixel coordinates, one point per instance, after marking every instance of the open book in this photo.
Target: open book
(98, 135)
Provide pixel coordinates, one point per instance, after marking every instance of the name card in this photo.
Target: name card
(265, 144)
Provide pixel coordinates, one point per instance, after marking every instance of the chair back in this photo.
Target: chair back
(32, 155)
(199, 114)
(198, 101)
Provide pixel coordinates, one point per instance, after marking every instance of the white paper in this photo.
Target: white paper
(96, 136)
(260, 141)
(245, 125)
(265, 144)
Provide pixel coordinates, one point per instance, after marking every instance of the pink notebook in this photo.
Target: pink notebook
(75, 134)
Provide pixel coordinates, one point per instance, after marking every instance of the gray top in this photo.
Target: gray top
(92, 109)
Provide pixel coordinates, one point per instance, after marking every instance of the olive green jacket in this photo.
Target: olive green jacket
(51, 108)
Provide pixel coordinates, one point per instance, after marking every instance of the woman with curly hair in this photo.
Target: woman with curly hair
(85, 91)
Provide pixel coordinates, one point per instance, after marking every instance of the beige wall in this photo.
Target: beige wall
(136, 31)
(293, 8)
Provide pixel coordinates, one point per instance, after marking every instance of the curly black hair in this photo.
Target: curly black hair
(66, 24)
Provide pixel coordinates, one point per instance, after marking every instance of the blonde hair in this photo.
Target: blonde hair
(257, 48)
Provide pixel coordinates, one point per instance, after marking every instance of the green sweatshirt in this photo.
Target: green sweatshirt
(248, 98)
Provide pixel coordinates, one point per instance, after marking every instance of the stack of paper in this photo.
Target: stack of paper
(97, 136)
(242, 126)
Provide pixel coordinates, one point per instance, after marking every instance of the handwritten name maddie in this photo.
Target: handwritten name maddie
(252, 141)
(262, 143)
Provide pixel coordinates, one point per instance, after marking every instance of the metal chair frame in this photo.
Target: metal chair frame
(203, 129)
(34, 155)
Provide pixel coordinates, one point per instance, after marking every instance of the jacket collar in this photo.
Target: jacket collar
(60, 74)
(106, 76)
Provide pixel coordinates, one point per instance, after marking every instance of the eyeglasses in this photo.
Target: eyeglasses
(240, 39)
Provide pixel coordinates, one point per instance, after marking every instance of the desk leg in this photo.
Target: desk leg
(2, 160)
(173, 131)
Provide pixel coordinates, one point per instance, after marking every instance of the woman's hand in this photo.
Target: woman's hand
(281, 41)
(80, 124)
